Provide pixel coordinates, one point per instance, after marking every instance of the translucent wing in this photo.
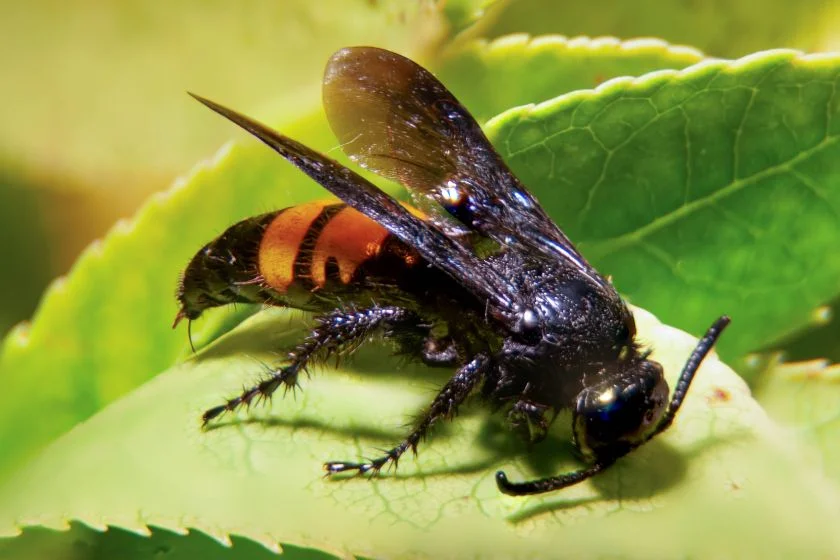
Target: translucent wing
(431, 243)
(395, 118)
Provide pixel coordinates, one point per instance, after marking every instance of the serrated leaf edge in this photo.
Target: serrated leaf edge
(615, 85)
(487, 48)
(22, 334)
(145, 527)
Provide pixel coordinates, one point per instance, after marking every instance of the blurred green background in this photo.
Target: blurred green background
(95, 117)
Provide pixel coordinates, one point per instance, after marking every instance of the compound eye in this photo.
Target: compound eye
(617, 413)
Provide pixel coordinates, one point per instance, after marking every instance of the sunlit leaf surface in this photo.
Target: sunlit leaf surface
(145, 461)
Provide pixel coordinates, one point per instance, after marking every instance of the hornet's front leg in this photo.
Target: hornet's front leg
(445, 405)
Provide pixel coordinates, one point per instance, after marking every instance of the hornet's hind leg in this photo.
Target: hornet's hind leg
(335, 331)
(445, 405)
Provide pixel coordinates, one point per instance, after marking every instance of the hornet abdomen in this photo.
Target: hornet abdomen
(304, 256)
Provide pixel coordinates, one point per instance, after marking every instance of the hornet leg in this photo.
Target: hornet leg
(445, 405)
(335, 331)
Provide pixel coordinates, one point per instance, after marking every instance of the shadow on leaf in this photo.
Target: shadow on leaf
(633, 478)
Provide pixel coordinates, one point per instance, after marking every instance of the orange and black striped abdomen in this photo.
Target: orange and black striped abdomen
(326, 245)
(305, 256)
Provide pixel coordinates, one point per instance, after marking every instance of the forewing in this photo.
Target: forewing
(395, 118)
(432, 244)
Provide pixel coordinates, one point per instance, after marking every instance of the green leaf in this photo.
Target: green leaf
(535, 69)
(806, 397)
(707, 191)
(80, 542)
(145, 461)
(727, 29)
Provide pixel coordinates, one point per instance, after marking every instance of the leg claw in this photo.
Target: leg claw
(211, 414)
(335, 467)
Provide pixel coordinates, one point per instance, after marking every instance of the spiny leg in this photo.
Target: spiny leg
(445, 405)
(335, 331)
(704, 346)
